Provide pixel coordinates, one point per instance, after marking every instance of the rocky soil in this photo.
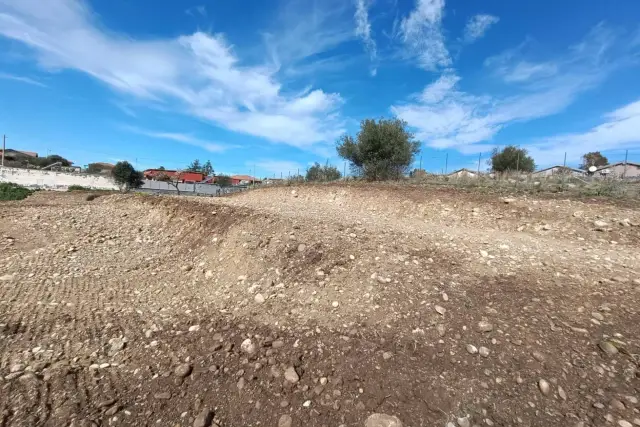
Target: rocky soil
(327, 306)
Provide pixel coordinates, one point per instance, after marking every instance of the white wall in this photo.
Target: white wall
(54, 180)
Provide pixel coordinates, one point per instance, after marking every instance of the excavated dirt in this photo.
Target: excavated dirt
(319, 306)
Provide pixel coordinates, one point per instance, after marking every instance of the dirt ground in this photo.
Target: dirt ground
(319, 306)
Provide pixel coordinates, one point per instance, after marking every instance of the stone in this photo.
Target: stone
(208, 274)
(259, 298)
(472, 349)
(600, 225)
(112, 411)
(544, 387)
(484, 351)
(285, 421)
(248, 346)
(624, 423)
(194, 328)
(387, 355)
(617, 405)
(18, 367)
(608, 347)
(116, 345)
(562, 393)
(440, 310)
(382, 420)
(441, 330)
(335, 304)
(277, 344)
(165, 395)
(463, 422)
(538, 356)
(241, 383)
(291, 375)
(484, 326)
(509, 200)
(597, 316)
(204, 418)
(106, 402)
(186, 268)
(182, 370)
(484, 254)
(302, 247)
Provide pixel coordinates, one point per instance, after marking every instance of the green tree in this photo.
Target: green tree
(161, 168)
(317, 172)
(49, 160)
(381, 150)
(511, 158)
(594, 158)
(223, 180)
(207, 168)
(195, 166)
(126, 176)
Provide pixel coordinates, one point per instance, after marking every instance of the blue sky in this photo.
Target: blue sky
(271, 85)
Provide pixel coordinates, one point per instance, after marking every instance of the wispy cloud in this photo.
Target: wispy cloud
(363, 31)
(198, 74)
(446, 117)
(477, 26)
(197, 10)
(21, 79)
(214, 147)
(421, 32)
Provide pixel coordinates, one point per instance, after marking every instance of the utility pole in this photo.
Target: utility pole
(344, 171)
(446, 162)
(420, 161)
(4, 147)
(518, 164)
(626, 156)
(565, 159)
(479, 157)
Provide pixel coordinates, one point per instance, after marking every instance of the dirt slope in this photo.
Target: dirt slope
(322, 304)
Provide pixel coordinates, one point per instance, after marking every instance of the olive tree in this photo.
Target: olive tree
(383, 149)
(512, 158)
(126, 176)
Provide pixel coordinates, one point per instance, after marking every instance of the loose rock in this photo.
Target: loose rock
(248, 346)
(285, 421)
(291, 375)
(182, 370)
(204, 418)
(544, 386)
(382, 420)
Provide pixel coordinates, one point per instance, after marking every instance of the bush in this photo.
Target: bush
(318, 172)
(78, 188)
(512, 158)
(10, 191)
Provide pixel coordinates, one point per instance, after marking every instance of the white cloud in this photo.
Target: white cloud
(184, 138)
(363, 31)
(421, 32)
(199, 74)
(478, 25)
(21, 79)
(618, 131)
(445, 117)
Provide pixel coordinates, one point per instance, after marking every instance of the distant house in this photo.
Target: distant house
(183, 176)
(12, 155)
(620, 170)
(463, 173)
(558, 170)
(244, 179)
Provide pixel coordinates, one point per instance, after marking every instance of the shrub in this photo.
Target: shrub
(78, 188)
(512, 158)
(318, 172)
(91, 197)
(10, 191)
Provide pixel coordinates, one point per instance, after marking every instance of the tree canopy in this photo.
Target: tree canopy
(195, 166)
(594, 158)
(319, 172)
(382, 149)
(126, 176)
(223, 180)
(512, 158)
(207, 168)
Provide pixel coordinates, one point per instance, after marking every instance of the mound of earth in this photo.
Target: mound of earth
(319, 305)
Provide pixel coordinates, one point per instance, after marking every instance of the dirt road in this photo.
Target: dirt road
(319, 306)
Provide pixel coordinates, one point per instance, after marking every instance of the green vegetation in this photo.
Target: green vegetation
(126, 176)
(196, 166)
(94, 168)
(511, 158)
(317, 172)
(382, 149)
(78, 188)
(10, 191)
(223, 180)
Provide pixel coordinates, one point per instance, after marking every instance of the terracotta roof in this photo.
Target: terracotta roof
(245, 178)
